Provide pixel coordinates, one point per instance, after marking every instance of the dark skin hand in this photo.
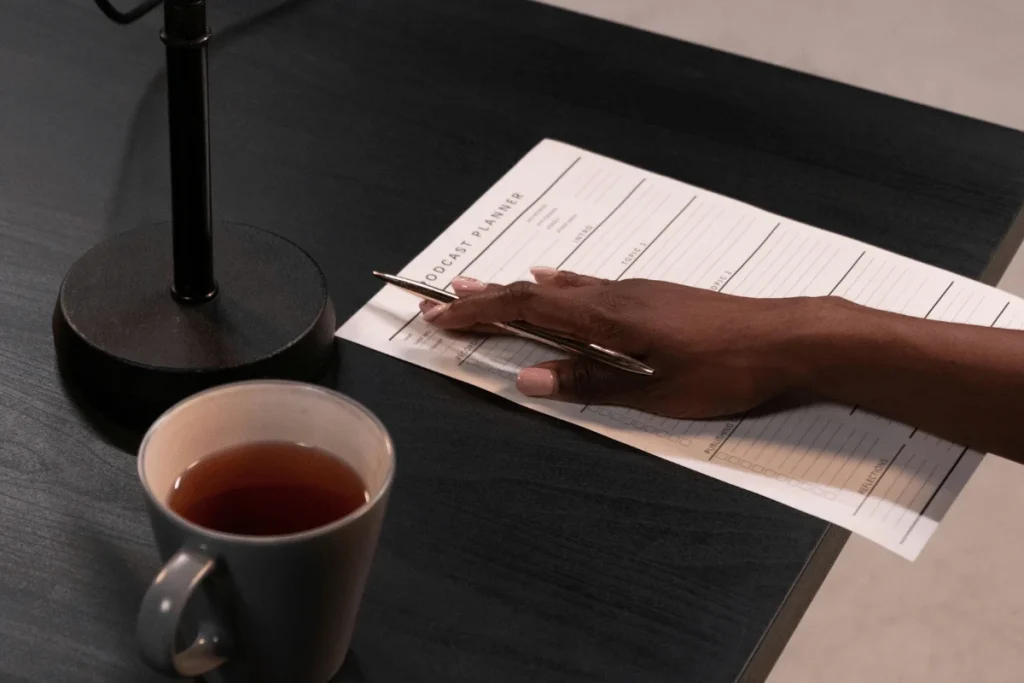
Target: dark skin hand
(716, 354)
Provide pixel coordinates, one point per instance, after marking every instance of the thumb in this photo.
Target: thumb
(577, 380)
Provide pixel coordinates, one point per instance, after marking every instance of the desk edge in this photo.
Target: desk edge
(1005, 252)
(785, 620)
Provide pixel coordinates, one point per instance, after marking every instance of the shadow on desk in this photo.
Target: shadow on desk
(125, 430)
(351, 671)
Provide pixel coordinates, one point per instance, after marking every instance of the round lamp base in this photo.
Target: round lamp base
(124, 343)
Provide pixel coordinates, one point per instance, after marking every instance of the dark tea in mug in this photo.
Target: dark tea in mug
(267, 489)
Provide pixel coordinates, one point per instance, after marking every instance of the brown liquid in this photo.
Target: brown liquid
(267, 489)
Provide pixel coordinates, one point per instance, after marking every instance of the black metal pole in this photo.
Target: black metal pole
(185, 35)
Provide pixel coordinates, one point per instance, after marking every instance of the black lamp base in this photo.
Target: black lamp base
(125, 344)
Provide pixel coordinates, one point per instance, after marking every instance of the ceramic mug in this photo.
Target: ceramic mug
(264, 609)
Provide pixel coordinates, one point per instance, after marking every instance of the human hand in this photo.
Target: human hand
(713, 354)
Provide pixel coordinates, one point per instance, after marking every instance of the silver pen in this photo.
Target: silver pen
(521, 329)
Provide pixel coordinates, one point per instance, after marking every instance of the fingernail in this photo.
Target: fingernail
(543, 273)
(536, 382)
(432, 313)
(467, 284)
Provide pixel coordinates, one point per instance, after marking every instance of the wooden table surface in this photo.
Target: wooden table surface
(517, 548)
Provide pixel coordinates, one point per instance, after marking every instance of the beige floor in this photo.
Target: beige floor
(957, 614)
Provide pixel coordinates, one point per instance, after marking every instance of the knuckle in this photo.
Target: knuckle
(610, 329)
(515, 297)
(605, 326)
(610, 300)
(520, 288)
(609, 313)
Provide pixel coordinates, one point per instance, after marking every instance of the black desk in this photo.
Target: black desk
(517, 548)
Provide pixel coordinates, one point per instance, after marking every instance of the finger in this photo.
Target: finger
(466, 285)
(580, 381)
(523, 301)
(563, 278)
(426, 306)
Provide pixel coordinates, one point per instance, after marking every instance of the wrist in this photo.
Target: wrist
(830, 339)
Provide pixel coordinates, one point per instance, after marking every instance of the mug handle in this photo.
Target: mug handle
(157, 625)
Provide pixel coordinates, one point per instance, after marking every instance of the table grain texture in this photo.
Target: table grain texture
(517, 548)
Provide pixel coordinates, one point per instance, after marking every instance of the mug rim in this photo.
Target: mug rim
(278, 538)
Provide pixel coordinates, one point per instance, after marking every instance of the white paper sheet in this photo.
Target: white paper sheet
(563, 207)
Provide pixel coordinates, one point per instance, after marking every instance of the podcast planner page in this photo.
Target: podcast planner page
(567, 208)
